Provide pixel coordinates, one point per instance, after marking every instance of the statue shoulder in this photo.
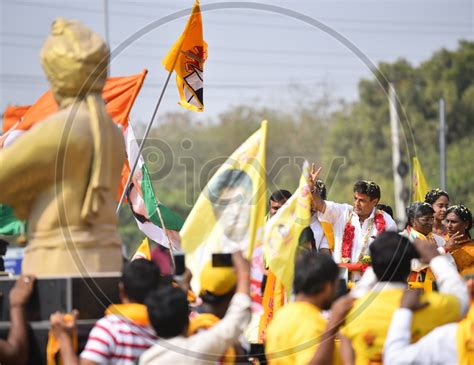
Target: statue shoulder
(75, 116)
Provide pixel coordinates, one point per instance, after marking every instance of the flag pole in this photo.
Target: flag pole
(147, 131)
(442, 144)
(167, 236)
(142, 143)
(396, 159)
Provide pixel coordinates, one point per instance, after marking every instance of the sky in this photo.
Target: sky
(255, 57)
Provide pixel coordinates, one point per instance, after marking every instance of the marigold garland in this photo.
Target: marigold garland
(349, 235)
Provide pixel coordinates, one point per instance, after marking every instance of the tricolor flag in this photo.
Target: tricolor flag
(145, 206)
(12, 117)
(186, 58)
(230, 212)
(419, 187)
(9, 224)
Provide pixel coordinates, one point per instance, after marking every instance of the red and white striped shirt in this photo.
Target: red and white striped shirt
(115, 340)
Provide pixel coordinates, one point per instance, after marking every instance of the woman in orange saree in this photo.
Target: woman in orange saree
(458, 224)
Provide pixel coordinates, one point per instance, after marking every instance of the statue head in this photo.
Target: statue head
(74, 59)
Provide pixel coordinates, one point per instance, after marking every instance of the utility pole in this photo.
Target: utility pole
(106, 30)
(442, 144)
(400, 213)
(106, 22)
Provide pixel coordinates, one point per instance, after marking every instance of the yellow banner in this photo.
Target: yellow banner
(283, 230)
(230, 212)
(186, 58)
(419, 186)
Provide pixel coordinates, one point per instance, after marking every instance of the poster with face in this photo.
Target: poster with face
(230, 194)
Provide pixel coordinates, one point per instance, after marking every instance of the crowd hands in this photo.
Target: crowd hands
(380, 320)
(154, 314)
(14, 350)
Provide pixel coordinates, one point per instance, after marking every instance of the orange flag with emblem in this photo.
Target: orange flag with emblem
(186, 58)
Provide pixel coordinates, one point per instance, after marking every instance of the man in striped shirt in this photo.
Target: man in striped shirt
(124, 333)
(169, 314)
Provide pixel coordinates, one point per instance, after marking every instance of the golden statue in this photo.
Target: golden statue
(63, 174)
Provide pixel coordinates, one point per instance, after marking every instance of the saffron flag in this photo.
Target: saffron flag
(419, 186)
(12, 115)
(186, 58)
(119, 94)
(9, 224)
(283, 230)
(144, 203)
(230, 212)
(143, 251)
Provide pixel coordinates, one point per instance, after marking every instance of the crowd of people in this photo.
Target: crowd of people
(380, 320)
(383, 318)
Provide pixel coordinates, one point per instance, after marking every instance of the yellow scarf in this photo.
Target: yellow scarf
(135, 312)
(52, 347)
(273, 299)
(329, 233)
(205, 321)
(429, 276)
(465, 339)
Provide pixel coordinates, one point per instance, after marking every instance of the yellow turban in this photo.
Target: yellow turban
(74, 59)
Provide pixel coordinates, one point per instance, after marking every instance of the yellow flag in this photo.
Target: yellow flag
(143, 251)
(230, 212)
(186, 58)
(419, 186)
(283, 230)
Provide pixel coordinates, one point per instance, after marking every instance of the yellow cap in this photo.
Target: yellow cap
(217, 280)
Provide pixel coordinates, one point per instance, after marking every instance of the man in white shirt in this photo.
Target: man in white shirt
(440, 346)
(169, 315)
(355, 226)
